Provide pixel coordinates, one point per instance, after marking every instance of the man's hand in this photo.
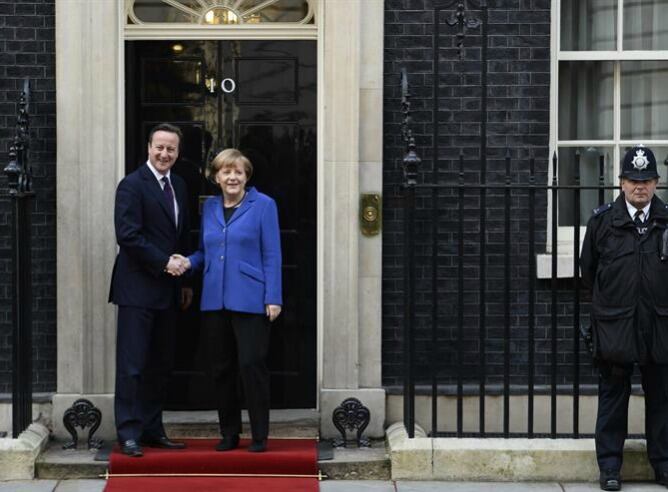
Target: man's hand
(177, 265)
(186, 297)
(273, 310)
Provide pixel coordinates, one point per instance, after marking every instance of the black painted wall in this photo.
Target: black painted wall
(518, 122)
(27, 49)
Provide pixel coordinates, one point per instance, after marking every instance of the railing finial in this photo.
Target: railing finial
(411, 160)
(465, 22)
(18, 170)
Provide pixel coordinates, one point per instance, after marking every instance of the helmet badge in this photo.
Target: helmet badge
(640, 161)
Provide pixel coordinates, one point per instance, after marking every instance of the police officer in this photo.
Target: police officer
(625, 262)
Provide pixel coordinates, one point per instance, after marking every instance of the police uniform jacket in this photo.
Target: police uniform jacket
(629, 281)
(241, 258)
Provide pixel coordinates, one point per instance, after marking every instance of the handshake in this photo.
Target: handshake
(177, 265)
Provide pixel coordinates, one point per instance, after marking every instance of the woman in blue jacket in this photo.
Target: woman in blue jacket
(240, 253)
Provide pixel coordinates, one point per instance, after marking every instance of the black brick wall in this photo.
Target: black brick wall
(27, 49)
(518, 120)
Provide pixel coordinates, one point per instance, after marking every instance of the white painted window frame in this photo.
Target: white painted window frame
(565, 235)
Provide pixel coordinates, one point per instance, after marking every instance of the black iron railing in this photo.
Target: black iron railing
(444, 255)
(478, 321)
(19, 179)
(423, 244)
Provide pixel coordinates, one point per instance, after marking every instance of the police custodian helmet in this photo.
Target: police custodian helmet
(639, 164)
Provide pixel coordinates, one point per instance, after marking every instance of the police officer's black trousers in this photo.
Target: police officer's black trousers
(614, 390)
(237, 345)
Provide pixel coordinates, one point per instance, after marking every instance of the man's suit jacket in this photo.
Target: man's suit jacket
(147, 236)
(241, 258)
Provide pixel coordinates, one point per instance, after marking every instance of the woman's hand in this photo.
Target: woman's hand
(273, 310)
(178, 265)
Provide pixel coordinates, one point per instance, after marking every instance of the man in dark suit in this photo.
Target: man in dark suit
(151, 220)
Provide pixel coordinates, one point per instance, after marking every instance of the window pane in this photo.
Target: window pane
(645, 24)
(283, 11)
(585, 100)
(644, 94)
(589, 176)
(588, 25)
(158, 11)
(219, 13)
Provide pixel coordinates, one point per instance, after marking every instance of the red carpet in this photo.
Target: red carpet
(283, 457)
(174, 484)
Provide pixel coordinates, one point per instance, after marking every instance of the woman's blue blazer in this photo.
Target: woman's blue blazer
(241, 258)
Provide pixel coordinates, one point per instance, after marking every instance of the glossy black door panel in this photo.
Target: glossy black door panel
(275, 83)
(172, 82)
(258, 96)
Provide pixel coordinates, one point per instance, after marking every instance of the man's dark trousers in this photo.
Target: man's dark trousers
(614, 390)
(144, 360)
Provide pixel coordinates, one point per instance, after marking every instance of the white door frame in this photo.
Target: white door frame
(90, 162)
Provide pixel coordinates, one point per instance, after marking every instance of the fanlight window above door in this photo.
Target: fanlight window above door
(220, 12)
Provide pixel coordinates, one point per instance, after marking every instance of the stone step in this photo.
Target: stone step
(296, 423)
(57, 463)
(354, 463)
(346, 464)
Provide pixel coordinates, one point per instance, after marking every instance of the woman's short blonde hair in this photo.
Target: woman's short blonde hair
(229, 158)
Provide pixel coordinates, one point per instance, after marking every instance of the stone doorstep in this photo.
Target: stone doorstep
(358, 463)
(204, 423)
(17, 456)
(57, 463)
(348, 463)
(491, 459)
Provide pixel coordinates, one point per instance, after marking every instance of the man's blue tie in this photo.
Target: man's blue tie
(169, 196)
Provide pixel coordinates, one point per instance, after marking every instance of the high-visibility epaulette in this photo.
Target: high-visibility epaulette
(602, 208)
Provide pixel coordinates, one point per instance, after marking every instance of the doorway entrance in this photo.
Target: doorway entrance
(260, 97)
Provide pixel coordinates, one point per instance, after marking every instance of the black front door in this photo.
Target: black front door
(260, 97)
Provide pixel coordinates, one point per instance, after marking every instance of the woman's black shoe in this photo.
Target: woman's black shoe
(228, 442)
(258, 446)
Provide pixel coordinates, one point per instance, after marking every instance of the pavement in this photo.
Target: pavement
(354, 486)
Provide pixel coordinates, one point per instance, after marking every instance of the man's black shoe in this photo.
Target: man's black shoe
(228, 442)
(131, 448)
(258, 446)
(661, 477)
(609, 480)
(162, 442)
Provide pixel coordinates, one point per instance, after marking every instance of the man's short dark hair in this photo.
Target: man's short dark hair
(166, 127)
